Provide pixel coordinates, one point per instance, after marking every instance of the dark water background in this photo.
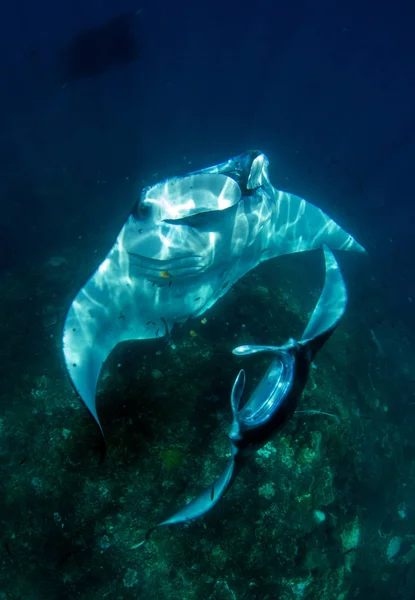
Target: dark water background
(325, 89)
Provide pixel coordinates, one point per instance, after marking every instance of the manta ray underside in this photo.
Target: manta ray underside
(186, 242)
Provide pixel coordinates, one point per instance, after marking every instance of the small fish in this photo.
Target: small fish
(212, 494)
(165, 325)
(165, 275)
(196, 299)
(150, 323)
(225, 285)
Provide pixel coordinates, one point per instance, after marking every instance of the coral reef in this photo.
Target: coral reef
(302, 521)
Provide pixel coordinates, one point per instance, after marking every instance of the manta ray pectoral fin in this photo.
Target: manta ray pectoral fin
(302, 226)
(200, 505)
(330, 307)
(247, 350)
(237, 392)
(83, 361)
(105, 312)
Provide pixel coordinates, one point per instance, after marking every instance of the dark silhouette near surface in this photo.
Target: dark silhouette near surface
(98, 50)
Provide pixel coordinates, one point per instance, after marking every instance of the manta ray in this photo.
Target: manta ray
(274, 400)
(100, 49)
(186, 241)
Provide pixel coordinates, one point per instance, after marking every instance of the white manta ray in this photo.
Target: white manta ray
(186, 242)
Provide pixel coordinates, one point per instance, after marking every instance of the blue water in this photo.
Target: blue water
(327, 91)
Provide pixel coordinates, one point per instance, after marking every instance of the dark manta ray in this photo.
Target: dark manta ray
(275, 398)
(98, 50)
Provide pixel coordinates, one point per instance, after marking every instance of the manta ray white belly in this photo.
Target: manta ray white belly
(183, 246)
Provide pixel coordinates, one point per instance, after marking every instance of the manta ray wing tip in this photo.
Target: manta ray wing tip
(135, 546)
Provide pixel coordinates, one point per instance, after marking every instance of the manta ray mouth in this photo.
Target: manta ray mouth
(181, 267)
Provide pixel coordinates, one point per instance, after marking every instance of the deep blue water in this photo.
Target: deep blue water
(325, 89)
